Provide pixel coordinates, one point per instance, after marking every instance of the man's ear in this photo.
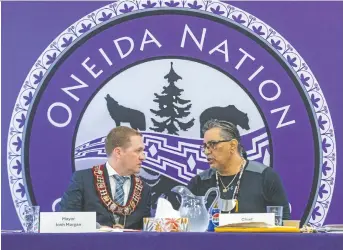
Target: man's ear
(117, 152)
(234, 145)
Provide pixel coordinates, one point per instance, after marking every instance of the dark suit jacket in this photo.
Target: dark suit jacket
(82, 196)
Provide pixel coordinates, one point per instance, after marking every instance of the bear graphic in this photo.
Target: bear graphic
(161, 187)
(229, 113)
(122, 114)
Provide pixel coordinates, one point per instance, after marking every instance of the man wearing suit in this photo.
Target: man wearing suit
(113, 191)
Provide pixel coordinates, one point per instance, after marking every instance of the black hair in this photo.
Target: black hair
(228, 131)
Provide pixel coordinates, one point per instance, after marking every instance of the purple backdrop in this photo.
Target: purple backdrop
(311, 27)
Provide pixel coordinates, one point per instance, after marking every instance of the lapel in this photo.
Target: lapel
(107, 181)
(131, 187)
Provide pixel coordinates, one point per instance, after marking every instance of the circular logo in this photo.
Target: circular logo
(165, 68)
(215, 219)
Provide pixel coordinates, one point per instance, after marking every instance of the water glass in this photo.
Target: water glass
(31, 219)
(278, 211)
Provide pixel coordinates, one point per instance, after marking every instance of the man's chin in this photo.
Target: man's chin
(215, 165)
(212, 165)
(138, 170)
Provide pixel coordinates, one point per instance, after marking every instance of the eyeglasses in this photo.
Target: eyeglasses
(211, 145)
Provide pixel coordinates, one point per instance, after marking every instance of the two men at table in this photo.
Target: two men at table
(120, 198)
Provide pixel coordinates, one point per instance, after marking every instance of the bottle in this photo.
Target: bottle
(214, 218)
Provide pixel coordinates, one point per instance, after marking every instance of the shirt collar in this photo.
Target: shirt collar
(111, 170)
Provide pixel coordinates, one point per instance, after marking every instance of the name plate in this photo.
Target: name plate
(67, 222)
(227, 219)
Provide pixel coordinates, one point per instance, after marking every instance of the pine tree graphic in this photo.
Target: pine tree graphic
(171, 107)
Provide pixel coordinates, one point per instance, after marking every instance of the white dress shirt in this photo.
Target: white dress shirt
(126, 187)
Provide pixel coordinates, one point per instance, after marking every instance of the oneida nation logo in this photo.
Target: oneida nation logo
(117, 66)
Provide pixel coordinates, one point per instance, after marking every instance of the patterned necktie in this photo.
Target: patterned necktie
(119, 195)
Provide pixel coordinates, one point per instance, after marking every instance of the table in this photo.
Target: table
(171, 241)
